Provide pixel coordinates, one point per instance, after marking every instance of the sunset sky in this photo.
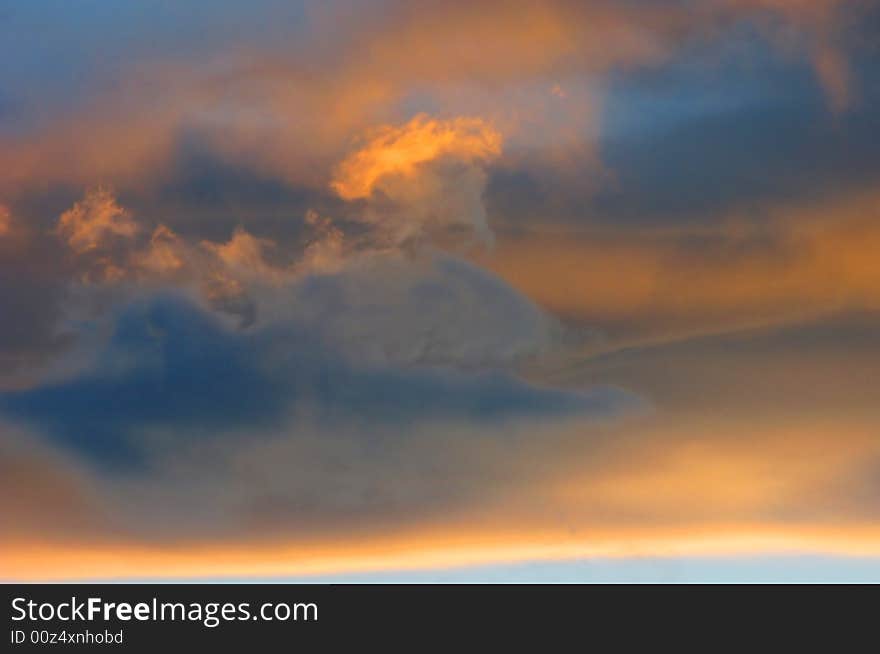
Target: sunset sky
(440, 291)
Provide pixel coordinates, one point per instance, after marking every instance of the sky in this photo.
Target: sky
(446, 291)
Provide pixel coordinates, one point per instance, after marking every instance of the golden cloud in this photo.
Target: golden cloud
(792, 263)
(5, 220)
(401, 150)
(94, 220)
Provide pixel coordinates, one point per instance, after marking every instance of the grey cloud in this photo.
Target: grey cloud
(431, 309)
(191, 427)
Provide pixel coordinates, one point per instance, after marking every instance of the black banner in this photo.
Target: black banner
(124, 617)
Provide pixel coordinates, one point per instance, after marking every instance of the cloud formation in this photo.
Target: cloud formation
(781, 264)
(436, 56)
(382, 292)
(398, 151)
(429, 493)
(5, 221)
(334, 287)
(93, 221)
(428, 175)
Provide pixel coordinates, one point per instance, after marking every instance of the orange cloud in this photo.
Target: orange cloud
(5, 220)
(165, 255)
(797, 262)
(428, 176)
(243, 252)
(748, 469)
(400, 150)
(91, 222)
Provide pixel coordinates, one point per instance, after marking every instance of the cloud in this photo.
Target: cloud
(109, 248)
(354, 314)
(95, 220)
(265, 449)
(821, 30)
(381, 292)
(45, 494)
(307, 495)
(288, 110)
(190, 428)
(399, 151)
(380, 262)
(33, 285)
(274, 348)
(428, 175)
(777, 264)
(432, 310)
(5, 221)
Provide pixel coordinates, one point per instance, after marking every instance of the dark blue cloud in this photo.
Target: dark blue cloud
(767, 149)
(171, 366)
(206, 196)
(725, 126)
